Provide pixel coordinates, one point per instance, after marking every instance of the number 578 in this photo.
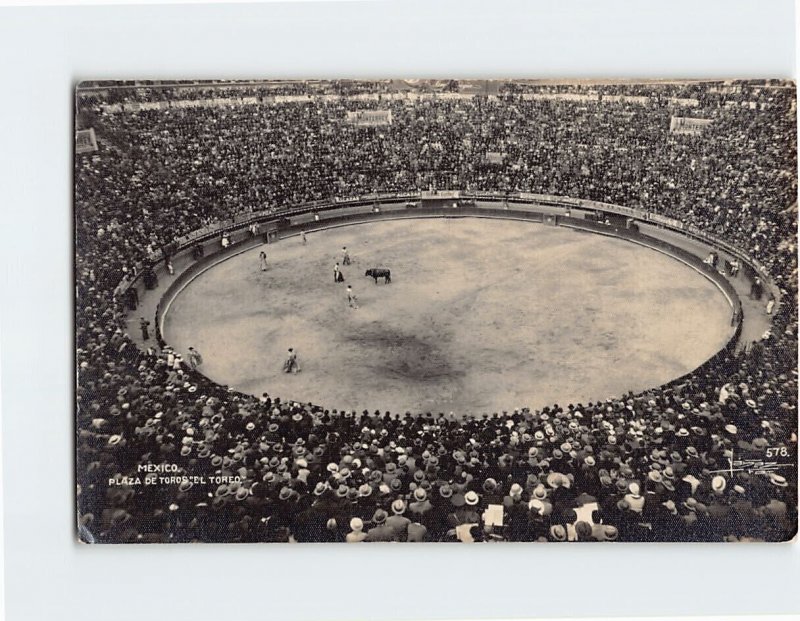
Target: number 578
(777, 451)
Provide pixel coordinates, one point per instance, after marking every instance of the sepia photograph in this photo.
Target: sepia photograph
(435, 310)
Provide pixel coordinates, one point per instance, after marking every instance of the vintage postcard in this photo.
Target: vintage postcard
(436, 311)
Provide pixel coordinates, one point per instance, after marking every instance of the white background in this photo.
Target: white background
(45, 51)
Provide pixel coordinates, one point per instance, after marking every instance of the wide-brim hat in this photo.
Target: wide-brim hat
(471, 498)
(445, 491)
(380, 516)
(398, 507)
(554, 479)
(778, 480)
(535, 504)
(558, 532)
(285, 493)
(718, 483)
(489, 485)
(420, 494)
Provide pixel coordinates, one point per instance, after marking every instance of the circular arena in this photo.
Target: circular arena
(590, 333)
(482, 315)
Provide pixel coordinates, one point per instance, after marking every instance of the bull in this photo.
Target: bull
(379, 272)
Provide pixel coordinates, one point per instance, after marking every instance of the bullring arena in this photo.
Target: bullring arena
(482, 315)
(589, 334)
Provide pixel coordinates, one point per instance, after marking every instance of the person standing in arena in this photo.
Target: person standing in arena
(195, 359)
(291, 364)
(303, 237)
(770, 303)
(352, 301)
(263, 257)
(337, 274)
(144, 325)
(345, 256)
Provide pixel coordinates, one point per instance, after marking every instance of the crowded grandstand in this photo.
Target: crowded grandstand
(710, 457)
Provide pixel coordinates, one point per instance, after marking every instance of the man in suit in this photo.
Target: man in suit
(381, 532)
(144, 325)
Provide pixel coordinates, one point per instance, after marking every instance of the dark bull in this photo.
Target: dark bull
(379, 272)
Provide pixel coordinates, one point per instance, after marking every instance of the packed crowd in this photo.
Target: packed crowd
(667, 464)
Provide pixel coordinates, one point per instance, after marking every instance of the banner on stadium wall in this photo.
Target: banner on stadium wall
(135, 106)
(369, 118)
(687, 102)
(494, 158)
(666, 221)
(634, 99)
(440, 194)
(85, 141)
(688, 125)
(560, 97)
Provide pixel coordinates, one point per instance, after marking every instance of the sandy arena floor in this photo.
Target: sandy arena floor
(482, 315)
